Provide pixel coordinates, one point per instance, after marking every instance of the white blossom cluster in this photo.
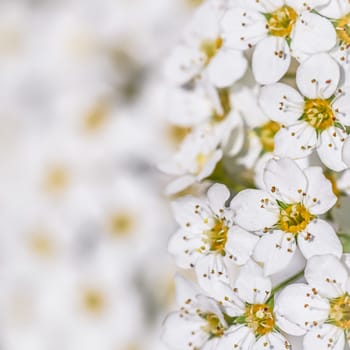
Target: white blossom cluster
(259, 91)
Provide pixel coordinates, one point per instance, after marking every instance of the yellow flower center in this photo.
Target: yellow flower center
(213, 326)
(266, 134)
(339, 313)
(121, 224)
(224, 97)
(96, 117)
(259, 318)
(294, 218)
(41, 244)
(216, 237)
(281, 21)
(93, 301)
(319, 114)
(57, 180)
(177, 134)
(343, 29)
(210, 48)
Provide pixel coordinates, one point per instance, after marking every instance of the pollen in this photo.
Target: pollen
(339, 313)
(210, 48)
(213, 326)
(216, 237)
(294, 218)
(281, 22)
(266, 134)
(319, 114)
(343, 29)
(259, 318)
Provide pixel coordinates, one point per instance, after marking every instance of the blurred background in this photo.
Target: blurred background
(83, 222)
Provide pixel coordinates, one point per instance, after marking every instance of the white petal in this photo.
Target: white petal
(183, 64)
(179, 184)
(252, 286)
(346, 151)
(271, 60)
(271, 340)
(210, 165)
(242, 28)
(331, 147)
(185, 248)
(240, 244)
(275, 250)
(188, 108)
(209, 269)
(218, 195)
(227, 67)
(318, 76)
(300, 307)
(285, 180)
(250, 213)
(301, 5)
(325, 338)
(240, 337)
(319, 238)
(295, 141)
(319, 195)
(264, 6)
(341, 106)
(185, 290)
(281, 103)
(286, 325)
(335, 9)
(327, 274)
(177, 331)
(313, 34)
(186, 213)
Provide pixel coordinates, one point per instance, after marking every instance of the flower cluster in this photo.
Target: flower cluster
(260, 180)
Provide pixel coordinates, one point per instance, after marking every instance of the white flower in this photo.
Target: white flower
(334, 8)
(279, 29)
(287, 213)
(346, 152)
(319, 309)
(314, 119)
(205, 52)
(195, 160)
(208, 238)
(199, 324)
(248, 305)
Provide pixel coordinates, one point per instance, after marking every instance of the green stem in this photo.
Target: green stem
(345, 240)
(284, 283)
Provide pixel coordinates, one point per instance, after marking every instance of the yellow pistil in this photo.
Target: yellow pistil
(339, 313)
(41, 244)
(96, 117)
(93, 301)
(213, 326)
(178, 133)
(343, 29)
(194, 2)
(57, 180)
(224, 97)
(121, 224)
(319, 114)
(294, 218)
(266, 134)
(216, 237)
(210, 48)
(281, 21)
(260, 318)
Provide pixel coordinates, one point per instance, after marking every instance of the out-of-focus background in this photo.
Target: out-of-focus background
(83, 222)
